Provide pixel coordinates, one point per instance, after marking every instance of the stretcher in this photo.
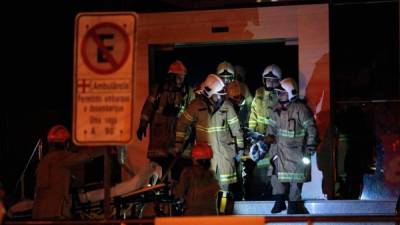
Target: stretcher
(128, 198)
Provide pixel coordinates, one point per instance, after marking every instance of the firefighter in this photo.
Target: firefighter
(261, 108)
(264, 99)
(214, 122)
(293, 126)
(227, 73)
(161, 110)
(236, 94)
(52, 199)
(198, 187)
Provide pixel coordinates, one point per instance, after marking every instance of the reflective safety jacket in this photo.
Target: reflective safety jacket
(293, 129)
(261, 108)
(162, 109)
(221, 130)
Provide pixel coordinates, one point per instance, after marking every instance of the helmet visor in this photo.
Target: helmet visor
(271, 82)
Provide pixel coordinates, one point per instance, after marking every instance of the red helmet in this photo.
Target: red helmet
(58, 134)
(202, 151)
(177, 67)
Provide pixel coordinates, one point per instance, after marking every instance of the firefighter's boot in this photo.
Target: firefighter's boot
(224, 203)
(297, 207)
(279, 205)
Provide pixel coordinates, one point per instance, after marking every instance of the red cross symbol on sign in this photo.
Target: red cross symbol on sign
(105, 48)
(83, 85)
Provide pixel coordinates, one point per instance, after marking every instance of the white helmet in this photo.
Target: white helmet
(289, 85)
(226, 71)
(272, 71)
(212, 85)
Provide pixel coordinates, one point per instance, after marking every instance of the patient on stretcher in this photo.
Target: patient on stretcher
(147, 176)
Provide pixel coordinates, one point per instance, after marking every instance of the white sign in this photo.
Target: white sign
(103, 78)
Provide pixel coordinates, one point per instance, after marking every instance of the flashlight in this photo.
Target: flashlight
(306, 160)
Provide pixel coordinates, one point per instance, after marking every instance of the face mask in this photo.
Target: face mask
(283, 99)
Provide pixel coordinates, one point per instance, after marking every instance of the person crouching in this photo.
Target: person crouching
(198, 187)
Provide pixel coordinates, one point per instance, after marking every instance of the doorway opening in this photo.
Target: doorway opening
(202, 59)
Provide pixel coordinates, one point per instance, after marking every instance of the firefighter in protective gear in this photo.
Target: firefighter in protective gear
(197, 186)
(264, 99)
(293, 125)
(226, 72)
(261, 107)
(214, 122)
(236, 92)
(52, 199)
(161, 111)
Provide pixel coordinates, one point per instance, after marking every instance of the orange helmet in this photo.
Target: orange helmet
(234, 89)
(177, 67)
(58, 134)
(236, 92)
(202, 151)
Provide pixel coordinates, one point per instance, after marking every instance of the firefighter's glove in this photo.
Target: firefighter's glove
(258, 151)
(310, 150)
(177, 149)
(141, 131)
(239, 155)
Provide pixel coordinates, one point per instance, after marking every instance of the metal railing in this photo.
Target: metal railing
(21, 181)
